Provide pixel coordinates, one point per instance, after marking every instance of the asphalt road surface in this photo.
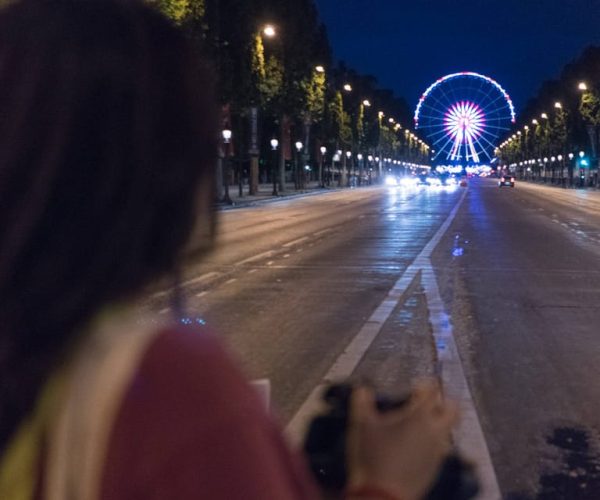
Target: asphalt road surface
(292, 283)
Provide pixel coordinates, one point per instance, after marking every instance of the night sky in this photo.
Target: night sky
(407, 45)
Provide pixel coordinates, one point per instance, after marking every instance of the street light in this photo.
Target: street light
(544, 116)
(320, 69)
(274, 144)
(582, 86)
(367, 103)
(269, 31)
(299, 146)
(558, 105)
(323, 150)
(226, 134)
(348, 87)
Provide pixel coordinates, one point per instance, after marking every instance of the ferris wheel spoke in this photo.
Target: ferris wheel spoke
(439, 118)
(440, 104)
(489, 143)
(444, 91)
(442, 133)
(443, 143)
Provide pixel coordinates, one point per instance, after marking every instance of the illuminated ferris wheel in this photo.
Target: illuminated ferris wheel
(463, 115)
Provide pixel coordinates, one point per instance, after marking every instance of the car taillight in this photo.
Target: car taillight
(512, 179)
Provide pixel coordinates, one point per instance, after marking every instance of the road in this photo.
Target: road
(291, 284)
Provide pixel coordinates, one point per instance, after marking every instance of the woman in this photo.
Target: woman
(107, 142)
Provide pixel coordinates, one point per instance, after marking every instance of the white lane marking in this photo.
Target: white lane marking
(270, 263)
(193, 281)
(201, 294)
(355, 350)
(319, 233)
(468, 434)
(199, 279)
(295, 242)
(164, 311)
(252, 271)
(286, 256)
(232, 280)
(260, 256)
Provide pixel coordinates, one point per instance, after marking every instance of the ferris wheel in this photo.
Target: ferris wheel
(463, 115)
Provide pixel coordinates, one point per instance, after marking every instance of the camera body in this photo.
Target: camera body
(325, 447)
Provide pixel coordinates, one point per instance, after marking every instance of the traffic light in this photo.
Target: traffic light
(584, 162)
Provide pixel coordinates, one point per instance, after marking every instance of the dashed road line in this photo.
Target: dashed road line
(295, 242)
(232, 280)
(254, 258)
(201, 294)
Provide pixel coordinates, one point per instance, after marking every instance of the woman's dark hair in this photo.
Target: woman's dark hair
(107, 141)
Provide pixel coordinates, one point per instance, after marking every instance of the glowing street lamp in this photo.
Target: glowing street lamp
(320, 69)
(323, 150)
(299, 147)
(226, 136)
(558, 105)
(348, 87)
(582, 86)
(274, 145)
(534, 121)
(367, 103)
(269, 31)
(544, 116)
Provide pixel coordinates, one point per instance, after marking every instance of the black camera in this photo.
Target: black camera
(325, 447)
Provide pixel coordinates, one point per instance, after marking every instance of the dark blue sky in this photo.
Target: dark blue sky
(409, 44)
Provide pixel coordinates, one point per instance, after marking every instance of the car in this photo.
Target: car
(507, 180)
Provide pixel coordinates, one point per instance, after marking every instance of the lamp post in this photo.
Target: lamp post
(359, 157)
(274, 144)
(348, 170)
(299, 147)
(226, 134)
(323, 150)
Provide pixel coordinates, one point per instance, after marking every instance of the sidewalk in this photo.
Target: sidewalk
(265, 194)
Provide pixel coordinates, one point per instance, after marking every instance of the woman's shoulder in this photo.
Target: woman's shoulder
(190, 423)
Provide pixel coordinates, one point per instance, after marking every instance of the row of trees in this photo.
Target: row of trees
(276, 79)
(558, 131)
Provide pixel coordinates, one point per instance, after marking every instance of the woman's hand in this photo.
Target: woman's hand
(399, 451)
